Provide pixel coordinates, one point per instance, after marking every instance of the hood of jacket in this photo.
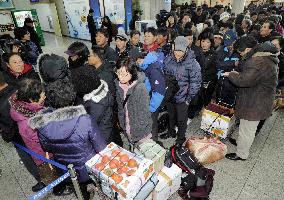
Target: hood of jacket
(20, 110)
(63, 121)
(52, 70)
(98, 94)
(266, 49)
(151, 58)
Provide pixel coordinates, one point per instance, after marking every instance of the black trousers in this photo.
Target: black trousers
(155, 125)
(178, 115)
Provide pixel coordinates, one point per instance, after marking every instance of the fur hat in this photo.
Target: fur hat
(85, 80)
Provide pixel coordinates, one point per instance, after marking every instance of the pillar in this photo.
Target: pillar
(238, 6)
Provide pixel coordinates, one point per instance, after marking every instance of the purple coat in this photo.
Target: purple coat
(21, 112)
(71, 135)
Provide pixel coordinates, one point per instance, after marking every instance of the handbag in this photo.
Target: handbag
(207, 150)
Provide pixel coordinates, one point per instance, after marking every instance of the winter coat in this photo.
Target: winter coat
(157, 49)
(226, 59)
(257, 83)
(106, 73)
(132, 53)
(29, 52)
(110, 55)
(21, 112)
(209, 72)
(167, 49)
(199, 55)
(99, 105)
(281, 70)
(268, 38)
(71, 135)
(13, 79)
(8, 127)
(138, 109)
(34, 37)
(188, 74)
(91, 24)
(155, 80)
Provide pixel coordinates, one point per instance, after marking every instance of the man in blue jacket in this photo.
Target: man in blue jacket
(155, 84)
(183, 65)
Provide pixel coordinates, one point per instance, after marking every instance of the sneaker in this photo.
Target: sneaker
(38, 187)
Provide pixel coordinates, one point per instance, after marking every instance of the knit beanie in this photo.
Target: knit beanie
(85, 80)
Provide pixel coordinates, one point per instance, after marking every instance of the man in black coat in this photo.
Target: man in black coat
(92, 26)
(102, 37)
(103, 68)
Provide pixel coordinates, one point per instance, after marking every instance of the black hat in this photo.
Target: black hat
(52, 67)
(85, 80)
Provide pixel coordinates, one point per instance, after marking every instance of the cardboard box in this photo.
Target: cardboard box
(118, 175)
(151, 150)
(169, 182)
(216, 124)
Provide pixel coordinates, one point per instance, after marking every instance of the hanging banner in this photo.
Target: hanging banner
(76, 14)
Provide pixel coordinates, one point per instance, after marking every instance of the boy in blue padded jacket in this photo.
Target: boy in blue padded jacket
(156, 85)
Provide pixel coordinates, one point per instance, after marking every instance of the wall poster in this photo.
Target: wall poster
(76, 13)
(6, 4)
(115, 10)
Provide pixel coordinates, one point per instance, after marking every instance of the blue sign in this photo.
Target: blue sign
(41, 193)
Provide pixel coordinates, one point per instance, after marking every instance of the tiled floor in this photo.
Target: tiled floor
(261, 177)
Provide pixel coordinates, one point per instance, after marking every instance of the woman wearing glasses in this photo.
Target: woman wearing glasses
(133, 102)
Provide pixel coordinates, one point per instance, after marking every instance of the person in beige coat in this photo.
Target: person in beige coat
(257, 87)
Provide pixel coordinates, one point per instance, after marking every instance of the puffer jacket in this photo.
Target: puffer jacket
(226, 59)
(257, 83)
(99, 105)
(137, 105)
(21, 112)
(188, 74)
(155, 80)
(71, 135)
(209, 72)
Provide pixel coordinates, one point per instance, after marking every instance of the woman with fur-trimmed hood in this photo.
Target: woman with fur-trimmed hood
(68, 131)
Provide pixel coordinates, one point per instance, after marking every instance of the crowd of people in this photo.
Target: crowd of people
(69, 110)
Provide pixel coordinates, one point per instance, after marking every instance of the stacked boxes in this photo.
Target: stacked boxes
(120, 171)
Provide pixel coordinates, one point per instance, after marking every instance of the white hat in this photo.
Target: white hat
(224, 15)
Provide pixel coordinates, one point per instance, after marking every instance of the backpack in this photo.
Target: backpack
(184, 159)
(198, 182)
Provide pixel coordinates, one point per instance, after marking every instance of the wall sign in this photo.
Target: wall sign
(76, 13)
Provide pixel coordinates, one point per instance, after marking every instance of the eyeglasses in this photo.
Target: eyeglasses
(122, 75)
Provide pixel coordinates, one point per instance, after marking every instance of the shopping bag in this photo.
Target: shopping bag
(207, 150)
